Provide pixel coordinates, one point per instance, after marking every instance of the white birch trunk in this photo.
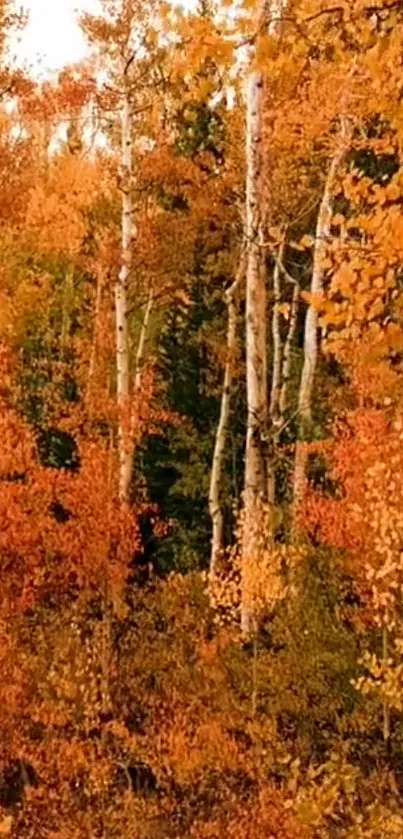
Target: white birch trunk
(311, 334)
(121, 288)
(142, 342)
(256, 467)
(278, 350)
(275, 9)
(135, 430)
(215, 493)
(275, 420)
(94, 342)
(287, 354)
(256, 345)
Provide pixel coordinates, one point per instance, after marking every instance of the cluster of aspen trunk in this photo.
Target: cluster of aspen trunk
(267, 380)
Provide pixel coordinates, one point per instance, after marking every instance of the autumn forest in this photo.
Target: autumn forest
(201, 425)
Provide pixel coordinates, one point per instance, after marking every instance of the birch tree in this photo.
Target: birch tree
(255, 492)
(216, 488)
(277, 348)
(276, 418)
(121, 36)
(256, 336)
(282, 353)
(121, 287)
(288, 352)
(311, 339)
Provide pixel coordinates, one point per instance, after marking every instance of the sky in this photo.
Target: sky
(53, 37)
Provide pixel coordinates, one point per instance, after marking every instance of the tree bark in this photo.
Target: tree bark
(275, 383)
(215, 493)
(139, 368)
(142, 342)
(256, 465)
(287, 354)
(282, 357)
(311, 335)
(256, 344)
(121, 288)
(277, 345)
(94, 341)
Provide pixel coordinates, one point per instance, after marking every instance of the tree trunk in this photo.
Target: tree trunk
(257, 466)
(139, 369)
(256, 345)
(94, 341)
(277, 347)
(275, 417)
(311, 335)
(122, 337)
(135, 419)
(215, 493)
(142, 342)
(287, 355)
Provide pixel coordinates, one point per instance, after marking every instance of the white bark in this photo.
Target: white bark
(256, 344)
(215, 493)
(256, 326)
(135, 418)
(121, 288)
(287, 354)
(277, 345)
(281, 367)
(256, 467)
(311, 332)
(142, 342)
(94, 342)
(275, 420)
(275, 12)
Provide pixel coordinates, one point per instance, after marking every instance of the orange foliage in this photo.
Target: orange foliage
(139, 715)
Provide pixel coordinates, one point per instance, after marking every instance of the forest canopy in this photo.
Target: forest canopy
(201, 425)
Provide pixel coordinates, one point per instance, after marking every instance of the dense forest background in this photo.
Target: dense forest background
(201, 426)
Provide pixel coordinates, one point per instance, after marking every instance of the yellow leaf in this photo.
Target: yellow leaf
(6, 825)
(284, 310)
(393, 191)
(306, 241)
